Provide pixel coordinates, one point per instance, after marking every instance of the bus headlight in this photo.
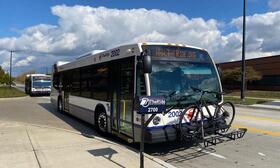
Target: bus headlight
(156, 120)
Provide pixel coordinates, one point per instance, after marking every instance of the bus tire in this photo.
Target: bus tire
(101, 121)
(59, 105)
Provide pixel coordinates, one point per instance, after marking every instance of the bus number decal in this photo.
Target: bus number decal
(174, 114)
(115, 53)
(152, 109)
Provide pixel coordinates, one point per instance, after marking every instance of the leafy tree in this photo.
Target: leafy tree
(21, 78)
(231, 76)
(4, 76)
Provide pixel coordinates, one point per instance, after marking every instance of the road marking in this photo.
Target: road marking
(262, 154)
(211, 153)
(260, 118)
(252, 129)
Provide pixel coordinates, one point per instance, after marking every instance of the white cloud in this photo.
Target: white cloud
(25, 62)
(83, 28)
(274, 4)
(262, 33)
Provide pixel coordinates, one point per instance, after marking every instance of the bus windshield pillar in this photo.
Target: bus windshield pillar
(147, 83)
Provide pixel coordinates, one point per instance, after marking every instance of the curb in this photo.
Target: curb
(154, 159)
(12, 98)
(161, 162)
(258, 107)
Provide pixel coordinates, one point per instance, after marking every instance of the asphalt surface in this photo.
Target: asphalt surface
(259, 148)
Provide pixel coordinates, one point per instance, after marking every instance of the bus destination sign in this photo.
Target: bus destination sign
(151, 104)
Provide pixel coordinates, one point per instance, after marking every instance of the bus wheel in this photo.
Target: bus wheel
(102, 122)
(59, 105)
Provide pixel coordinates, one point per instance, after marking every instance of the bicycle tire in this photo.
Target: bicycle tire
(227, 111)
(184, 128)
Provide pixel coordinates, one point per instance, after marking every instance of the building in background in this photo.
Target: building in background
(268, 66)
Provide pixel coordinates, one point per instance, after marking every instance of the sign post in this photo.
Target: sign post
(148, 105)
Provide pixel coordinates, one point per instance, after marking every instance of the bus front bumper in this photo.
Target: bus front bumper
(158, 134)
(41, 92)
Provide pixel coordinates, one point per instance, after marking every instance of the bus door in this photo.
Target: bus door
(122, 84)
(66, 101)
(66, 91)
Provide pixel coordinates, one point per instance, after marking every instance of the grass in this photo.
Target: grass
(6, 92)
(247, 101)
(258, 94)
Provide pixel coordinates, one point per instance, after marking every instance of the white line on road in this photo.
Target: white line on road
(262, 154)
(211, 153)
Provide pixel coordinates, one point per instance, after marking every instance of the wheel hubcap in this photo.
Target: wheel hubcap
(102, 122)
(60, 106)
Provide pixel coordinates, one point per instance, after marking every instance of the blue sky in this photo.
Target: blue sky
(52, 30)
(19, 14)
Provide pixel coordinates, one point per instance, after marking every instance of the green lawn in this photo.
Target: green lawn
(258, 94)
(247, 101)
(6, 92)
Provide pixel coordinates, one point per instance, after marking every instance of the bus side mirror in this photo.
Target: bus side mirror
(147, 64)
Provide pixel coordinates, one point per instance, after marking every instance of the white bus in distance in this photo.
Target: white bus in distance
(101, 88)
(37, 84)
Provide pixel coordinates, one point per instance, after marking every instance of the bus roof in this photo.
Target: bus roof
(31, 75)
(112, 54)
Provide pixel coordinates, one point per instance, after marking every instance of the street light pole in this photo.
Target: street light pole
(243, 77)
(11, 59)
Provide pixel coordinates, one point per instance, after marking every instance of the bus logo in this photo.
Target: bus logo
(145, 102)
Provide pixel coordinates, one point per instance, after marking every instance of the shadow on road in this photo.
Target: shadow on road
(83, 127)
(176, 151)
(77, 124)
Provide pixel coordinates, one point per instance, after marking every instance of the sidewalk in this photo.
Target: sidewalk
(273, 105)
(28, 146)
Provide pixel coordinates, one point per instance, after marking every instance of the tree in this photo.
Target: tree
(4, 77)
(21, 78)
(233, 76)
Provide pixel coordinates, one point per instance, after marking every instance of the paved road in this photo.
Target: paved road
(20, 87)
(259, 148)
(38, 110)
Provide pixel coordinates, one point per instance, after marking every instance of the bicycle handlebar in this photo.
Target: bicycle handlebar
(184, 97)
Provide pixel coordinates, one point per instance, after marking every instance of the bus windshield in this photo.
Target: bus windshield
(41, 84)
(171, 72)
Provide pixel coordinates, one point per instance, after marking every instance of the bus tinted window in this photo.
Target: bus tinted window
(99, 83)
(75, 87)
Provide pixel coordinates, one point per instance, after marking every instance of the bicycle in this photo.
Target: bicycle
(195, 124)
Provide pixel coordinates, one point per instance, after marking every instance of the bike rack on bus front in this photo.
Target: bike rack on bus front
(220, 137)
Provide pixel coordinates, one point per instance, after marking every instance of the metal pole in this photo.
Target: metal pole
(243, 70)
(11, 58)
(142, 141)
(143, 127)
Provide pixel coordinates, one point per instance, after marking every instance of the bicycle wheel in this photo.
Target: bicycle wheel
(225, 114)
(188, 122)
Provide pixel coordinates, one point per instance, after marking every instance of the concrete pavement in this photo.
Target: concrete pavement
(27, 146)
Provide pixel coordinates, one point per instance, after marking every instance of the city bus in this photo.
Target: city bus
(38, 84)
(102, 88)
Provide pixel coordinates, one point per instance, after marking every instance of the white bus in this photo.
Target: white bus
(38, 84)
(101, 88)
